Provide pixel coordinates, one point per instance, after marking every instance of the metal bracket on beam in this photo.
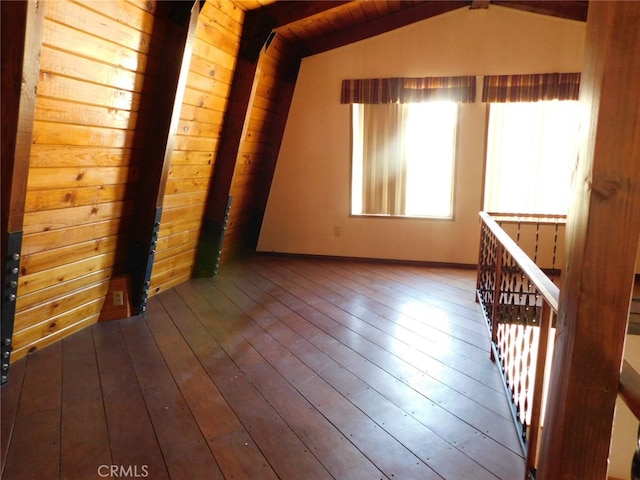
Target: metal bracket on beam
(225, 222)
(9, 298)
(210, 245)
(142, 285)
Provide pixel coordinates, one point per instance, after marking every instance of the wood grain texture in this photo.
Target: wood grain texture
(259, 147)
(83, 434)
(21, 48)
(283, 368)
(88, 129)
(596, 291)
(197, 141)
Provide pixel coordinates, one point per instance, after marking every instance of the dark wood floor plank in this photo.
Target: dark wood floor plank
(451, 466)
(236, 452)
(9, 398)
(34, 451)
(356, 358)
(287, 454)
(392, 304)
(279, 367)
(425, 341)
(408, 335)
(214, 415)
(355, 425)
(131, 433)
(424, 284)
(340, 457)
(184, 448)
(450, 427)
(85, 438)
(42, 387)
(292, 369)
(437, 337)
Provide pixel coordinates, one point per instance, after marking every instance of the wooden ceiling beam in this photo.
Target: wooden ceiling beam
(289, 11)
(569, 9)
(400, 18)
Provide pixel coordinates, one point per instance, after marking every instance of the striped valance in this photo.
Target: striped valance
(409, 90)
(530, 88)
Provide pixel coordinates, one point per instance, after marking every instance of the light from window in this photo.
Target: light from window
(403, 159)
(531, 151)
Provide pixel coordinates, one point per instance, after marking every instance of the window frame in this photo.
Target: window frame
(454, 176)
(486, 161)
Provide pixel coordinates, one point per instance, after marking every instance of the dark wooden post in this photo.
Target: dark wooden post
(256, 29)
(182, 20)
(22, 23)
(602, 241)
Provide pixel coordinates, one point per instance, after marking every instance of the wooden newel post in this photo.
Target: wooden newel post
(602, 241)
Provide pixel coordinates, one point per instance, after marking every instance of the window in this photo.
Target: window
(532, 148)
(403, 159)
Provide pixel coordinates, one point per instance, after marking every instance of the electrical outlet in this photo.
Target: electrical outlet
(337, 231)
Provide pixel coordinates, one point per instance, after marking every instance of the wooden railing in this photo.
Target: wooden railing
(520, 303)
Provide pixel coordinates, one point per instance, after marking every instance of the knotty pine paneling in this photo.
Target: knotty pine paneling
(216, 46)
(89, 128)
(256, 149)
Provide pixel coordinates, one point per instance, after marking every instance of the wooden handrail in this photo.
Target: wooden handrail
(546, 219)
(629, 388)
(545, 286)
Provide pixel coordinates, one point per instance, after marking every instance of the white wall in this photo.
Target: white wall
(310, 192)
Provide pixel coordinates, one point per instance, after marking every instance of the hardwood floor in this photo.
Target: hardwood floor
(279, 367)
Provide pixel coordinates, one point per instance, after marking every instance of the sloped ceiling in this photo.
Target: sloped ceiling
(318, 26)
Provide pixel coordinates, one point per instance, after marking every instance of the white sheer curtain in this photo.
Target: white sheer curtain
(403, 158)
(384, 172)
(531, 151)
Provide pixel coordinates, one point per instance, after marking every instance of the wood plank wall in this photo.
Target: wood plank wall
(257, 151)
(193, 161)
(95, 84)
(83, 169)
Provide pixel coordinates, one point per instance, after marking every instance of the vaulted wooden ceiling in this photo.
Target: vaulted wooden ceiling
(318, 26)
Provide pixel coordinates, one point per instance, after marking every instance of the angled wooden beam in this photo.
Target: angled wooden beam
(276, 133)
(176, 48)
(22, 26)
(257, 29)
(570, 9)
(400, 18)
(602, 241)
